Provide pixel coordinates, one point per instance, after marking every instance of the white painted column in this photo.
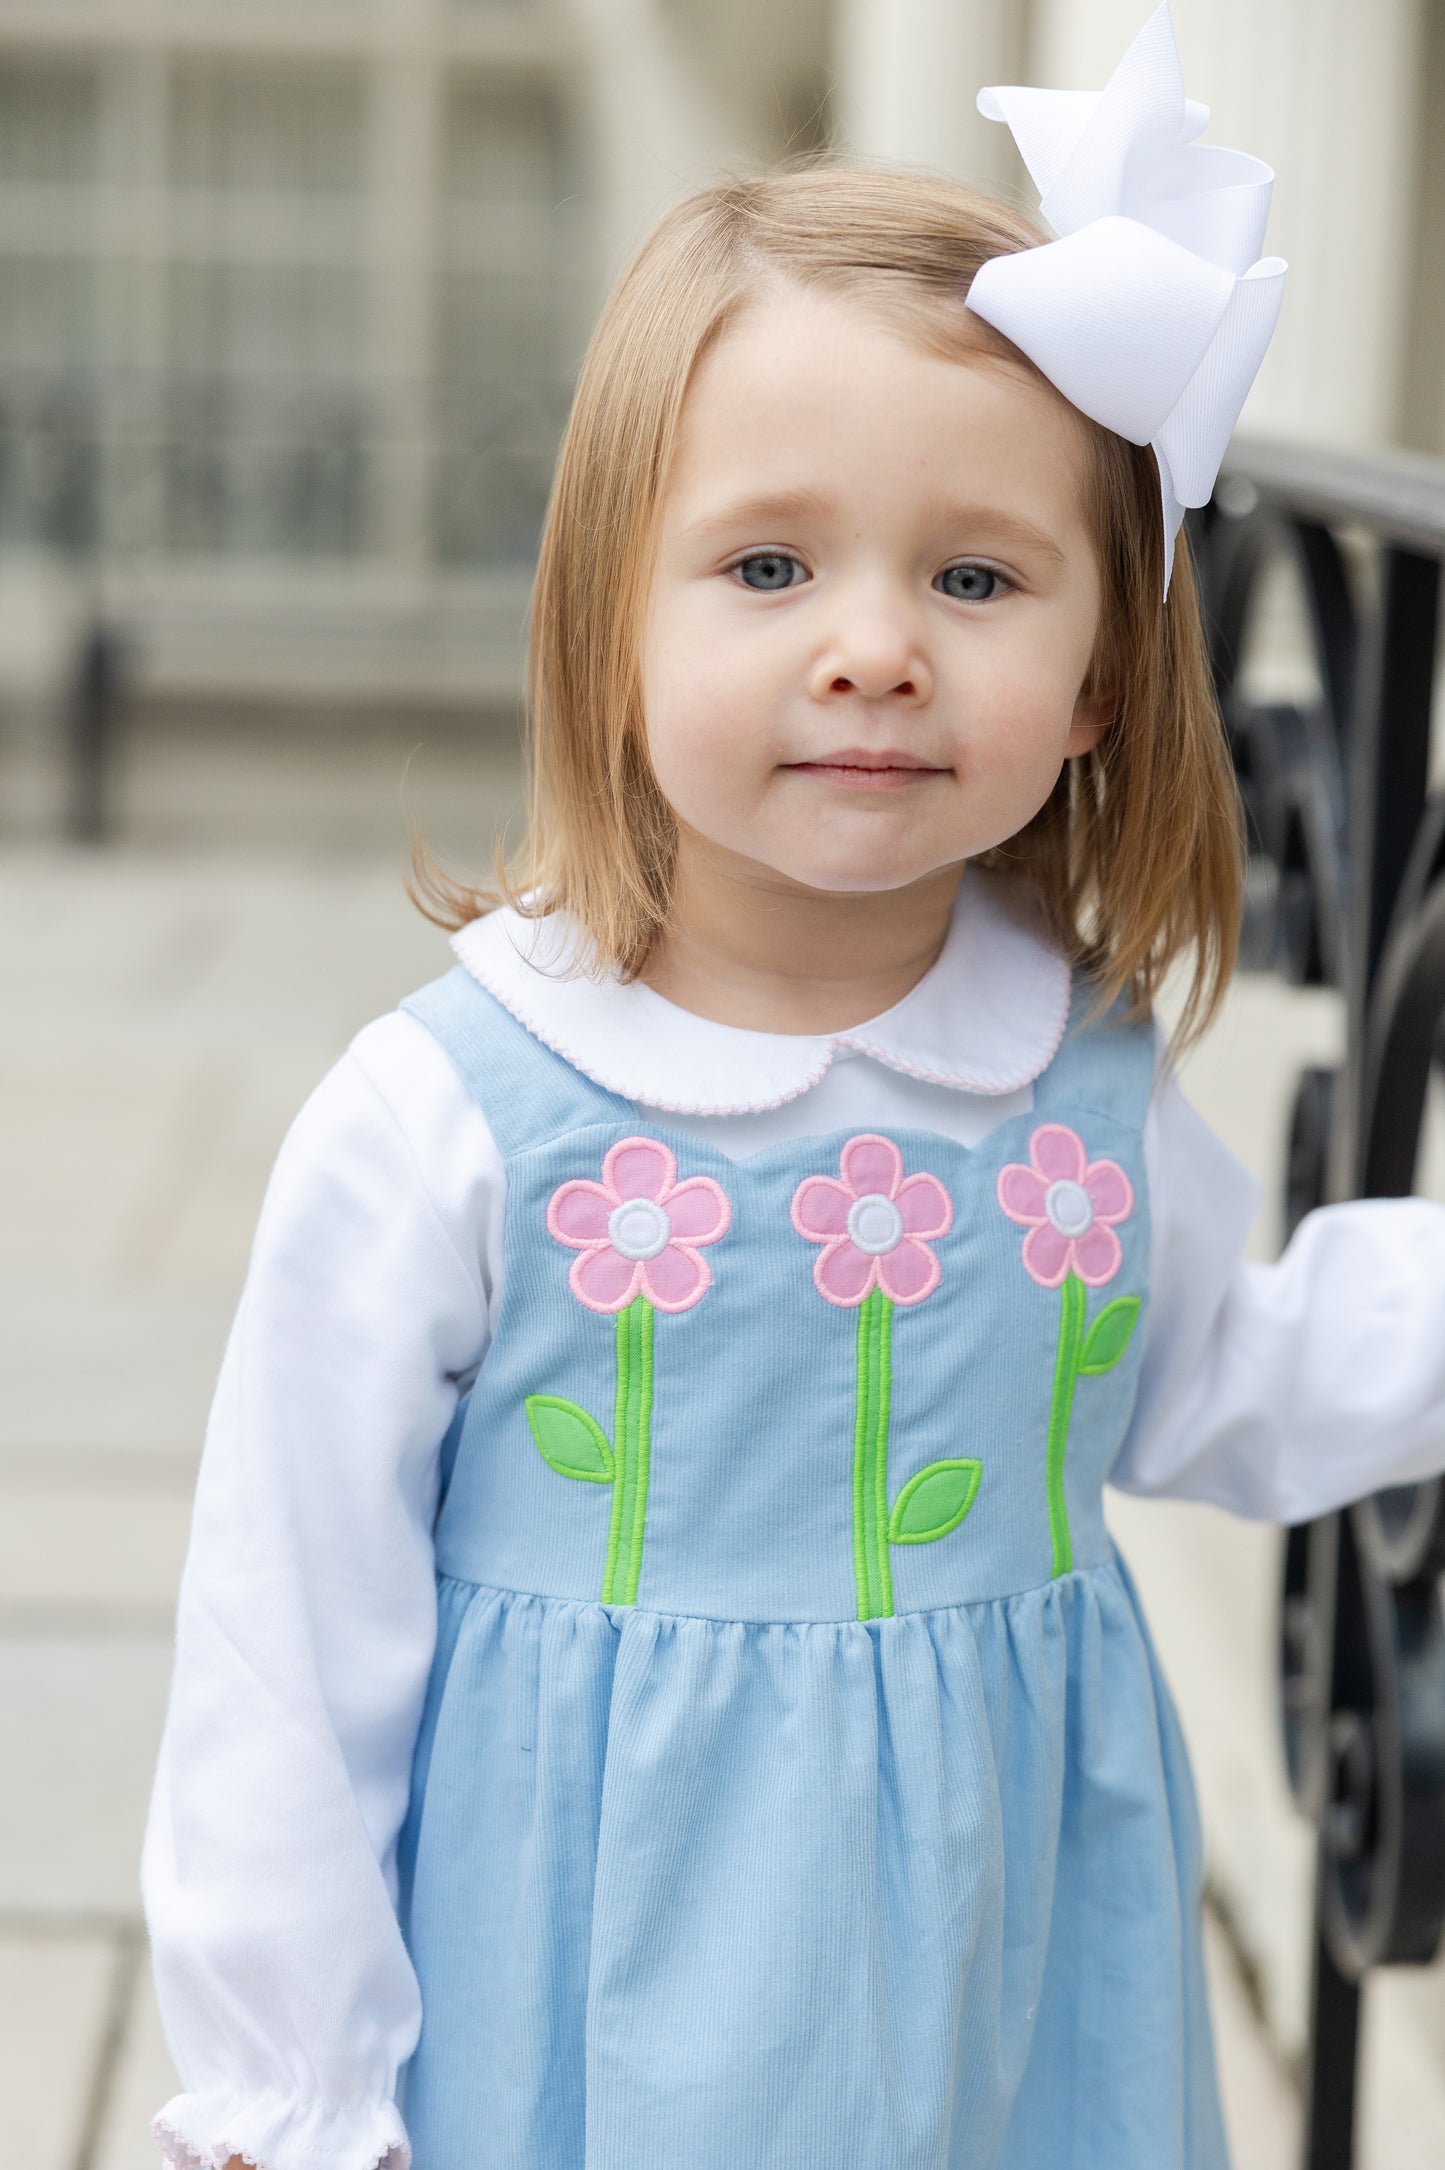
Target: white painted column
(1326, 91)
(655, 134)
(1422, 405)
(405, 89)
(908, 73)
(132, 234)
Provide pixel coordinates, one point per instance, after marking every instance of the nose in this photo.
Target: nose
(874, 649)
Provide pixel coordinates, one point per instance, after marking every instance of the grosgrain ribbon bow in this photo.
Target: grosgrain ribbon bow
(1152, 311)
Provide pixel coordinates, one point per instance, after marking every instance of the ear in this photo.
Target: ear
(1093, 714)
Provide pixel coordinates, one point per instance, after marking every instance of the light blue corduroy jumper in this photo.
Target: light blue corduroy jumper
(796, 1787)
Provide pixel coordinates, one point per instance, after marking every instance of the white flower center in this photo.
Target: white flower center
(638, 1228)
(875, 1224)
(1070, 1208)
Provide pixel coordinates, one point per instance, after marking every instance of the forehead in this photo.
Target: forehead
(804, 381)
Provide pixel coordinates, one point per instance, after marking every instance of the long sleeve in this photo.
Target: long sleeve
(1282, 1391)
(306, 1622)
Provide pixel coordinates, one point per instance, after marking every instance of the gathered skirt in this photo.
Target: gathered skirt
(915, 1893)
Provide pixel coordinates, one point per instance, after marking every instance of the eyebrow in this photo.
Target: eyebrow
(1009, 525)
(786, 505)
(752, 511)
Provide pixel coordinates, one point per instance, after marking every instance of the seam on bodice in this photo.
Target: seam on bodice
(1108, 1565)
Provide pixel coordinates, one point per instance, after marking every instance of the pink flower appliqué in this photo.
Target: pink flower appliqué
(873, 1224)
(639, 1229)
(1070, 1206)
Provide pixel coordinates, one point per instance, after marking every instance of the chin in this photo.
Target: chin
(850, 878)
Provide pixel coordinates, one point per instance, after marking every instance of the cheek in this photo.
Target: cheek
(682, 738)
(674, 707)
(707, 740)
(1028, 707)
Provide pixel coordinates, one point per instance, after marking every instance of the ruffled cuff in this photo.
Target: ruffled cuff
(196, 2132)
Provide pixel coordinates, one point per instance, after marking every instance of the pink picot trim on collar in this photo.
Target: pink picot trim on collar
(960, 1082)
(507, 980)
(590, 1069)
(717, 1107)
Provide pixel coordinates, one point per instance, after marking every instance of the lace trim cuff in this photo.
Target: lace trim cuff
(203, 2132)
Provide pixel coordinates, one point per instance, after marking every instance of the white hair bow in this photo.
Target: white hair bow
(1152, 311)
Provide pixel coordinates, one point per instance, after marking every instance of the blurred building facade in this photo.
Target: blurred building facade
(292, 292)
(292, 295)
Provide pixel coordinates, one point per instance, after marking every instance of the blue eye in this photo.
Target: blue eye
(766, 571)
(970, 583)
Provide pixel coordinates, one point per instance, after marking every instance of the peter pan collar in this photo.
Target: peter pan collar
(986, 1017)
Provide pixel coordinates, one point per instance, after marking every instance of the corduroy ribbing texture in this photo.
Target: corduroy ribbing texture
(729, 1877)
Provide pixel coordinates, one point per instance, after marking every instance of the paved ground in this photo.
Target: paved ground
(167, 1004)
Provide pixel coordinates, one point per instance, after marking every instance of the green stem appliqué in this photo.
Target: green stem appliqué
(876, 1226)
(1071, 1207)
(933, 1501)
(870, 1456)
(1079, 1356)
(633, 1433)
(638, 1234)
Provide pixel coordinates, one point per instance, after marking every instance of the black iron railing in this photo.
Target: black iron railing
(1348, 890)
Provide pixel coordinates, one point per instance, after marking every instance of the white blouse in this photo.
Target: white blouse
(307, 1612)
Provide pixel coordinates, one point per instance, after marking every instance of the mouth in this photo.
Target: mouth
(884, 769)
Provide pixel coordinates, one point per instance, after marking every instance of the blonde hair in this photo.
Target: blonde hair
(1135, 858)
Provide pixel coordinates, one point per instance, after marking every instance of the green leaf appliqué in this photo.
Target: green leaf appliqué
(568, 1440)
(1108, 1337)
(933, 1502)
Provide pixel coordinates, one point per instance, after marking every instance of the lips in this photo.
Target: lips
(862, 766)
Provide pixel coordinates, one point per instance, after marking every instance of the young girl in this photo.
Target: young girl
(654, 1689)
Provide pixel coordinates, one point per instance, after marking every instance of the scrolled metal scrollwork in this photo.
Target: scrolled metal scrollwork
(1347, 890)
